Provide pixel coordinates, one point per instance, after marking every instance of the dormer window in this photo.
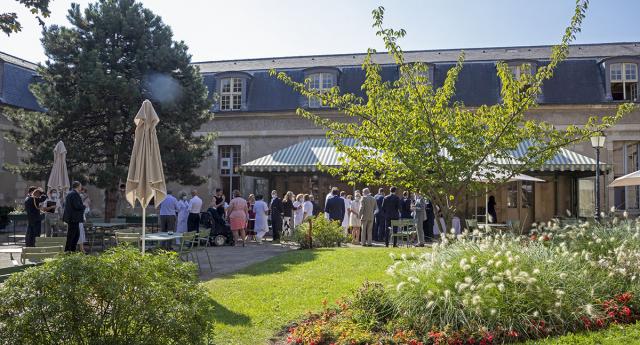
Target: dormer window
(322, 82)
(518, 71)
(624, 81)
(231, 93)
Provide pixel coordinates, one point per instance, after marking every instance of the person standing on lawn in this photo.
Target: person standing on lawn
(73, 215)
(168, 210)
(405, 206)
(334, 207)
(51, 213)
(391, 208)
(354, 219)
(238, 214)
(420, 215)
(378, 228)
(367, 214)
(182, 207)
(298, 210)
(34, 216)
(276, 216)
(195, 205)
(287, 213)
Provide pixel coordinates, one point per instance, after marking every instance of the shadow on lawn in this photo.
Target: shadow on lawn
(225, 316)
(278, 264)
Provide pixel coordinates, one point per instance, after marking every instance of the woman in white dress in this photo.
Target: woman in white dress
(347, 211)
(183, 213)
(354, 217)
(298, 210)
(261, 224)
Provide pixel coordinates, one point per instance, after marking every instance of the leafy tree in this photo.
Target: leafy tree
(9, 21)
(118, 297)
(116, 54)
(415, 135)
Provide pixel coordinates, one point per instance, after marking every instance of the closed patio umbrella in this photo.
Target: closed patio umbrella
(632, 179)
(145, 179)
(59, 177)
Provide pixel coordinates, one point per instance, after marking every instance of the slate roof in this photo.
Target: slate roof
(307, 155)
(15, 77)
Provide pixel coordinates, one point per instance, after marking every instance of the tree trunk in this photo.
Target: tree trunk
(110, 203)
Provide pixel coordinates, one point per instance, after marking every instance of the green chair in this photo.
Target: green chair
(39, 253)
(406, 230)
(127, 237)
(203, 244)
(187, 244)
(50, 241)
(471, 224)
(6, 272)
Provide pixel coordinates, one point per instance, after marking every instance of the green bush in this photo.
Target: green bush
(325, 233)
(119, 297)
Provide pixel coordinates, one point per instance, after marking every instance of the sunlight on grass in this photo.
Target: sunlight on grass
(255, 303)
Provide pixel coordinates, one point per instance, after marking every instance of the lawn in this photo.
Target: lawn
(628, 335)
(255, 303)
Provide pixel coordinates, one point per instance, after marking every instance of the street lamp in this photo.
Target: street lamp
(597, 141)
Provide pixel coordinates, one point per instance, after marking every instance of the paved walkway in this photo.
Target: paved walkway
(223, 259)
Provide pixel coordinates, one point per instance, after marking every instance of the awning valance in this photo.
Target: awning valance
(305, 156)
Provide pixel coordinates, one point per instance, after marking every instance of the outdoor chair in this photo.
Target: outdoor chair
(127, 237)
(6, 272)
(202, 244)
(187, 244)
(471, 224)
(50, 241)
(406, 230)
(39, 253)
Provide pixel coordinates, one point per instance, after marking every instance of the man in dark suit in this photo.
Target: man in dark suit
(335, 206)
(391, 208)
(73, 215)
(428, 223)
(378, 228)
(34, 216)
(276, 208)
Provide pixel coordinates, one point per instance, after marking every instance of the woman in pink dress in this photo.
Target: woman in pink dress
(238, 214)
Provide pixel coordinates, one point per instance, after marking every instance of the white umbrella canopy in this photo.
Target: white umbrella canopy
(632, 179)
(59, 177)
(145, 179)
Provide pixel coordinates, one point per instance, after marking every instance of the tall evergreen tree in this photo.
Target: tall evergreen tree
(115, 54)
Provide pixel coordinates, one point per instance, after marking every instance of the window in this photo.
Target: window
(527, 194)
(512, 195)
(231, 90)
(229, 159)
(520, 70)
(586, 197)
(624, 81)
(322, 82)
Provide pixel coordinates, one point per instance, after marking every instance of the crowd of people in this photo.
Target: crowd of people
(365, 216)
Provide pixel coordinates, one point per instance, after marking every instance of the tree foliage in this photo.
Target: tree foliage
(415, 135)
(98, 72)
(9, 21)
(118, 297)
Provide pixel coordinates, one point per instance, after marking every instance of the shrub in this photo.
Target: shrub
(325, 233)
(119, 297)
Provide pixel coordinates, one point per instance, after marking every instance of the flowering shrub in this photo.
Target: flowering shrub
(324, 233)
(487, 289)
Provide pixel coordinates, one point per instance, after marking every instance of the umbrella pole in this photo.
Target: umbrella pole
(144, 224)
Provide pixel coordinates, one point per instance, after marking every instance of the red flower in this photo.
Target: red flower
(624, 297)
(626, 311)
(534, 237)
(611, 314)
(471, 341)
(513, 334)
(600, 323)
(586, 322)
(545, 238)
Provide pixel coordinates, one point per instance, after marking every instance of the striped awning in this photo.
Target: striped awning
(307, 155)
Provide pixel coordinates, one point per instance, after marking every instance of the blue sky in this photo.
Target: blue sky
(220, 30)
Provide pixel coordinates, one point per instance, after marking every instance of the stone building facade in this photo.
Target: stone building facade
(255, 116)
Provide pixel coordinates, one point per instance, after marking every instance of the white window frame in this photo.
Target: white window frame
(228, 98)
(518, 70)
(623, 78)
(314, 102)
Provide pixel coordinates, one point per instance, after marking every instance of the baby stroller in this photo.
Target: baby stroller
(220, 231)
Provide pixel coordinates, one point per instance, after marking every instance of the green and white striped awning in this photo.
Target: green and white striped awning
(307, 155)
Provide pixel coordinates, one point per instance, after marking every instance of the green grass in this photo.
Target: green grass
(615, 335)
(254, 304)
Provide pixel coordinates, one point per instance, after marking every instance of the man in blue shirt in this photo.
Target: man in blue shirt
(168, 211)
